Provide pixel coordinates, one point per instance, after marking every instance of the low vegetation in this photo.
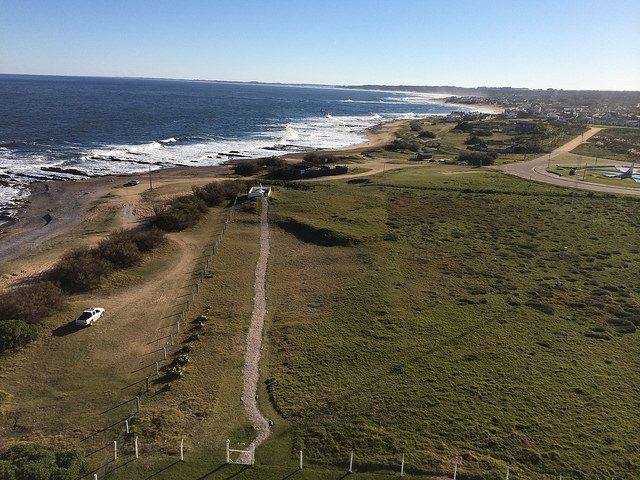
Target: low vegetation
(613, 143)
(479, 316)
(37, 462)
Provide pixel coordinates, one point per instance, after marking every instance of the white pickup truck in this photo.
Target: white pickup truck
(89, 316)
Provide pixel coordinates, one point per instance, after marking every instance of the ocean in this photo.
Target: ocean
(64, 128)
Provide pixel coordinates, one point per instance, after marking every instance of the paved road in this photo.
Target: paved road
(536, 169)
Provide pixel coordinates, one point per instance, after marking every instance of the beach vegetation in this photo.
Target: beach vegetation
(319, 158)
(181, 213)
(246, 168)
(426, 134)
(478, 158)
(215, 193)
(16, 333)
(31, 303)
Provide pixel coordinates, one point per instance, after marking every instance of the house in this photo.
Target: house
(259, 192)
(424, 156)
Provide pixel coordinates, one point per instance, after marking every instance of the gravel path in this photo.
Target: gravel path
(254, 337)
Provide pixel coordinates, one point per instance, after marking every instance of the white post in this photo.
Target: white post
(351, 463)
(402, 467)
(178, 328)
(182, 449)
(300, 459)
(95, 476)
(136, 444)
(253, 453)
(455, 470)
(126, 425)
(157, 368)
(507, 473)
(115, 450)
(228, 459)
(164, 353)
(172, 339)
(560, 474)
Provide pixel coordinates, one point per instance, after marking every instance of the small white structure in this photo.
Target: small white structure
(259, 192)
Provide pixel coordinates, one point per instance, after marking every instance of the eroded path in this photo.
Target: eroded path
(254, 338)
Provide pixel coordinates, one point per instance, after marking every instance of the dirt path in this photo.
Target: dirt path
(254, 338)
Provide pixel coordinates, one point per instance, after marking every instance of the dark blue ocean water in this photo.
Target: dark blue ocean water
(70, 127)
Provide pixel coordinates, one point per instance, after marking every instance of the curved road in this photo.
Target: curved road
(536, 169)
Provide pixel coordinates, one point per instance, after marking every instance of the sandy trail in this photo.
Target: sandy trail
(251, 374)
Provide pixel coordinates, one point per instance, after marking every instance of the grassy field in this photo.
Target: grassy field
(619, 143)
(471, 315)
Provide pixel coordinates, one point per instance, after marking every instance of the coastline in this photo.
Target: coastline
(55, 207)
(491, 109)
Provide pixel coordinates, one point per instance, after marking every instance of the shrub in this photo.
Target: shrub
(37, 462)
(15, 333)
(183, 212)
(319, 158)
(80, 270)
(416, 126)
(284, 172)
(426, 134)
(478, 158)
(472, 140)
(274, 162)
(120, 250)
(147, 240)
(215, 193)
(404, 144)
(31, 303)
(246, 167)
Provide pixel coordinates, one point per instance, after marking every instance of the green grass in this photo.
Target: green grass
(460, 325)
(618, 143)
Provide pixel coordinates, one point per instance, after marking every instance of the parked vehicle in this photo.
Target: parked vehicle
(131, 183)
(89, 316)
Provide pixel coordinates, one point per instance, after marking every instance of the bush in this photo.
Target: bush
(284, 172)
(472, 140)
(80, 270)
(246, 167)
(31, 303)
(37, 462)
(147, 240)
(119, 250)
(319, 158)
(416, 126)
(426, 134)
(15, 333)
(405, 144)
(215, 193)
(478, 158)
(183, 212)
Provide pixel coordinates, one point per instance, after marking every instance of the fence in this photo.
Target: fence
(118, 443)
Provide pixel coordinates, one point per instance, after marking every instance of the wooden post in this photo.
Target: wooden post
(136, 445)
(115, 450)
(228, 458)
(402, 467)
(182, 449)
(126, 426)
(300, 459)
(351, 463)
(137, 404)
(455, 470)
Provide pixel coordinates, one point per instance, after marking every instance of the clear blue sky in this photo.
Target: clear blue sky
(570, 44)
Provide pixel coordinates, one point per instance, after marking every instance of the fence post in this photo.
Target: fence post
(137, 404)
(115, 450)
(455, 470)
(164, 353)
(95, 476)
(182, 449)
(136, 445)
(507, 478)
(228, 458)
(178, 331)
(351, 463)
(147, 385)
(300, 459)
(126, 426)
(157, 368)
(171, 343)
(402, 467)
(253, 453)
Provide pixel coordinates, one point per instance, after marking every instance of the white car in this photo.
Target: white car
(89, 316)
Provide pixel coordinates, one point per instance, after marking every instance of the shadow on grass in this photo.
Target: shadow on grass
(120, 405)
(291, 474)
(97, 432)
(65, 330)
(163, 470)
(212, 472)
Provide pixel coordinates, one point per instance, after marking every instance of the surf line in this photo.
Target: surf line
(251, 374)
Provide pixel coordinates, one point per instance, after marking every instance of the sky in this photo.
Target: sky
(562, 44)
